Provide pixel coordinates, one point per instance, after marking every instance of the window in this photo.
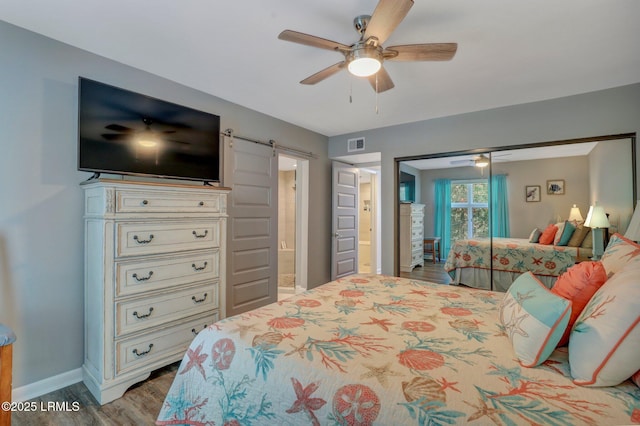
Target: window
(469, 209)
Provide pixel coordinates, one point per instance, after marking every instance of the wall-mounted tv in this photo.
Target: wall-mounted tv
(407, 187)
(124, 132)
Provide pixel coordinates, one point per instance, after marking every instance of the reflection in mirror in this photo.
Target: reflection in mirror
(545, 183)
(490, 220)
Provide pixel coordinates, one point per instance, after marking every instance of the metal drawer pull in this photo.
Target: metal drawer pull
(135, 314)
(199, 300)
(199, 268)
(201, 203)
(195, 333)
(139, 354)
(139, 241)
(142, 278)
(206, 231)
(145, 202)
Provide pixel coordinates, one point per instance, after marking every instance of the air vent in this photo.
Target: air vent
(355, 144)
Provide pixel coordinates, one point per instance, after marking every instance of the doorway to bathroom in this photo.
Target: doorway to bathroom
(292, 224)
(365, 225)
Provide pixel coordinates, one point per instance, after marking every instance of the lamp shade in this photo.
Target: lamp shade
(597, 218)
(633, 230)
(575, 215)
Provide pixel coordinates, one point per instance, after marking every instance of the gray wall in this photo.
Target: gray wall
(609, 167)
(606, 112)
(41, 225)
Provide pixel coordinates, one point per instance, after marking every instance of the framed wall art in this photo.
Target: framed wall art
(555, 187)
(532, 193)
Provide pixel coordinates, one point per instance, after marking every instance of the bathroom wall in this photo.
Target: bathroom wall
(287, 208)
(365, 216)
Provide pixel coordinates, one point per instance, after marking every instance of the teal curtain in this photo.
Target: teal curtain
(442, 214)
(499, 207)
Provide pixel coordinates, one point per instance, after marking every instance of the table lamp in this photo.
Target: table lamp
(575, 216)
(596, 220)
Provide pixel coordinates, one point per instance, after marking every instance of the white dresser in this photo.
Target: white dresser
(411, 236)
(154, 276)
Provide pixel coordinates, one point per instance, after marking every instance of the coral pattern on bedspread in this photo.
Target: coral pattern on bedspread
(372, 349)
(510, 255)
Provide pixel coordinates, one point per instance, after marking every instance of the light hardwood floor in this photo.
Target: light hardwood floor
(140, 405)
(432, 272)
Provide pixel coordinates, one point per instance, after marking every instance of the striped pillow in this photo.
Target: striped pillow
(604, 345)
(533, 318)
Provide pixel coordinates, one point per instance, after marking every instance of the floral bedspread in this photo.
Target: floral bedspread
(371, 349)
(510, 255)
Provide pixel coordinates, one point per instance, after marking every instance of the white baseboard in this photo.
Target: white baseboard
(50, 384)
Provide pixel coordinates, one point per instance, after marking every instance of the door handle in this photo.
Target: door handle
(336, 235)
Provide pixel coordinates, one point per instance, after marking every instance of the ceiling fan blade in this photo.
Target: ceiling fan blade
(116, 136)
(313, 41)
(468, 161)
(327, 72)
(386, 17)
(421, 52)
(118, 128)
(384, 82)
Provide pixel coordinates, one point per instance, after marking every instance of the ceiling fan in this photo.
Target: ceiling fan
(478, 161)
(147, 137)
(364, 58)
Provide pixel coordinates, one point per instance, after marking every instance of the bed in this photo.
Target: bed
(468, 261)
(374, 349)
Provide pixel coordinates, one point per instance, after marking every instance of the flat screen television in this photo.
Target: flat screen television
(407, 187)
(124, 132)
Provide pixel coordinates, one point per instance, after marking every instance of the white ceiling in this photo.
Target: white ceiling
(522, 154)
(509, 52)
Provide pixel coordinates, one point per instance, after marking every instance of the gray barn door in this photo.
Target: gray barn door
(251, 171)
(344, 246)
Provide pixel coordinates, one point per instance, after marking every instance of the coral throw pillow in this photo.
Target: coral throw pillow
(578, 285)
(548, 234)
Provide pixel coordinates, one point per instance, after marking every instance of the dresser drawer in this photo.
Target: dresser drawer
(135, 239)
(145, 312)
(161, 346)
(417, 245)
(417, 253)
(158, 201)
(133, 277)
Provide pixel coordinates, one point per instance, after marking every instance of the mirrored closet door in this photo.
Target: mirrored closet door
(500, 213)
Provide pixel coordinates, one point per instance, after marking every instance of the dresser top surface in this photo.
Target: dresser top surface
(134, 183)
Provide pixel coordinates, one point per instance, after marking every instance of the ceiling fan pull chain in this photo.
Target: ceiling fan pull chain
(350, 90)
(377, 110)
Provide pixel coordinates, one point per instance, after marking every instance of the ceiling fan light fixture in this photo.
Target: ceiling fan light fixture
(147, 139)
(481, 161)
(365, 61)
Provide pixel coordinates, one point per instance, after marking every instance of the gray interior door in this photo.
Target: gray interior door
(251, 171)
(344, 246)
